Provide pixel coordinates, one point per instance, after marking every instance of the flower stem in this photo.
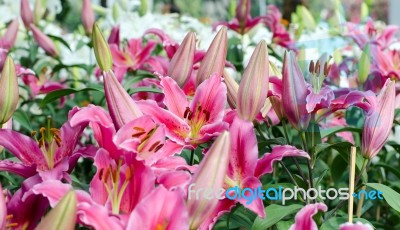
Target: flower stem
(192, 157)
(310, 173)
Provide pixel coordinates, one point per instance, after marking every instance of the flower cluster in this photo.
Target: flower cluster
(119, 135)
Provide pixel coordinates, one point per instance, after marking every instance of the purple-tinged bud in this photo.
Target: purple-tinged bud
(8, 39)
(181, 65)
(26, 14)
(294, 93)
(214, 59)
(9, 92)
(378, 123)
(44, 41)
(88, 17)
(253, 88)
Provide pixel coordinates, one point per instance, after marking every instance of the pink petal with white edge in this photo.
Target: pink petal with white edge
(97, 217)
(265, 164)
(304, 218)
(175, 99)
(168, 211)
(319, 100)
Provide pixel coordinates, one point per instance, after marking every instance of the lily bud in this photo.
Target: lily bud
(26, 14)
(214, 59)
(10, 35)
(181, 64)
(121, 106)
(209, 175)
(44, 41)
(63, 216)
(253, 88)
(233, 89)
(378, 123)
(114, 36)
(101, 49)
(9, 93)
(294, 93)
(38, 11)
(243, 11)
(87, 16)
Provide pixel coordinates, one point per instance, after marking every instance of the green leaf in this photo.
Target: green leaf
(21, 117)
(274, 141)
(390, 168)
(274, 213)
(52, 96)
(59, 39)
(313, 135)
(334, 223)
(392, 197)
(284, 225)
(144, 89)
(339, 146)
(332, 131)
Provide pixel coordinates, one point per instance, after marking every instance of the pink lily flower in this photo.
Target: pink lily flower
(18, 216)
(242, 23)
(245, 168)
(386, 63)
(304, 218)
(369, 35)
(168, 211)
(190, 123)
(273, 20)
(130, 58)
(356, 226)
(378, 124)
(142, 137)
(294, 93)
(52, 156)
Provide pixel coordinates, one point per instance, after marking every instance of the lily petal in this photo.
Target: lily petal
(168, 211)
(265, 164)
(304, 218)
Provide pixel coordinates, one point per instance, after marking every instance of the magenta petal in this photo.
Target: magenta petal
(319, 100)
(257, 206)
(211, 95)
(223, 206)
(17, 168)
(54, 191)
(265, 164)
(177, 129)
(3, 210)
(97, 217)
(304, 218)
(140, 185)
(97, 189)
(244, 152)
(174, 179)
(168, 211)
(101, 123)
(175, 99)
(22, 147)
